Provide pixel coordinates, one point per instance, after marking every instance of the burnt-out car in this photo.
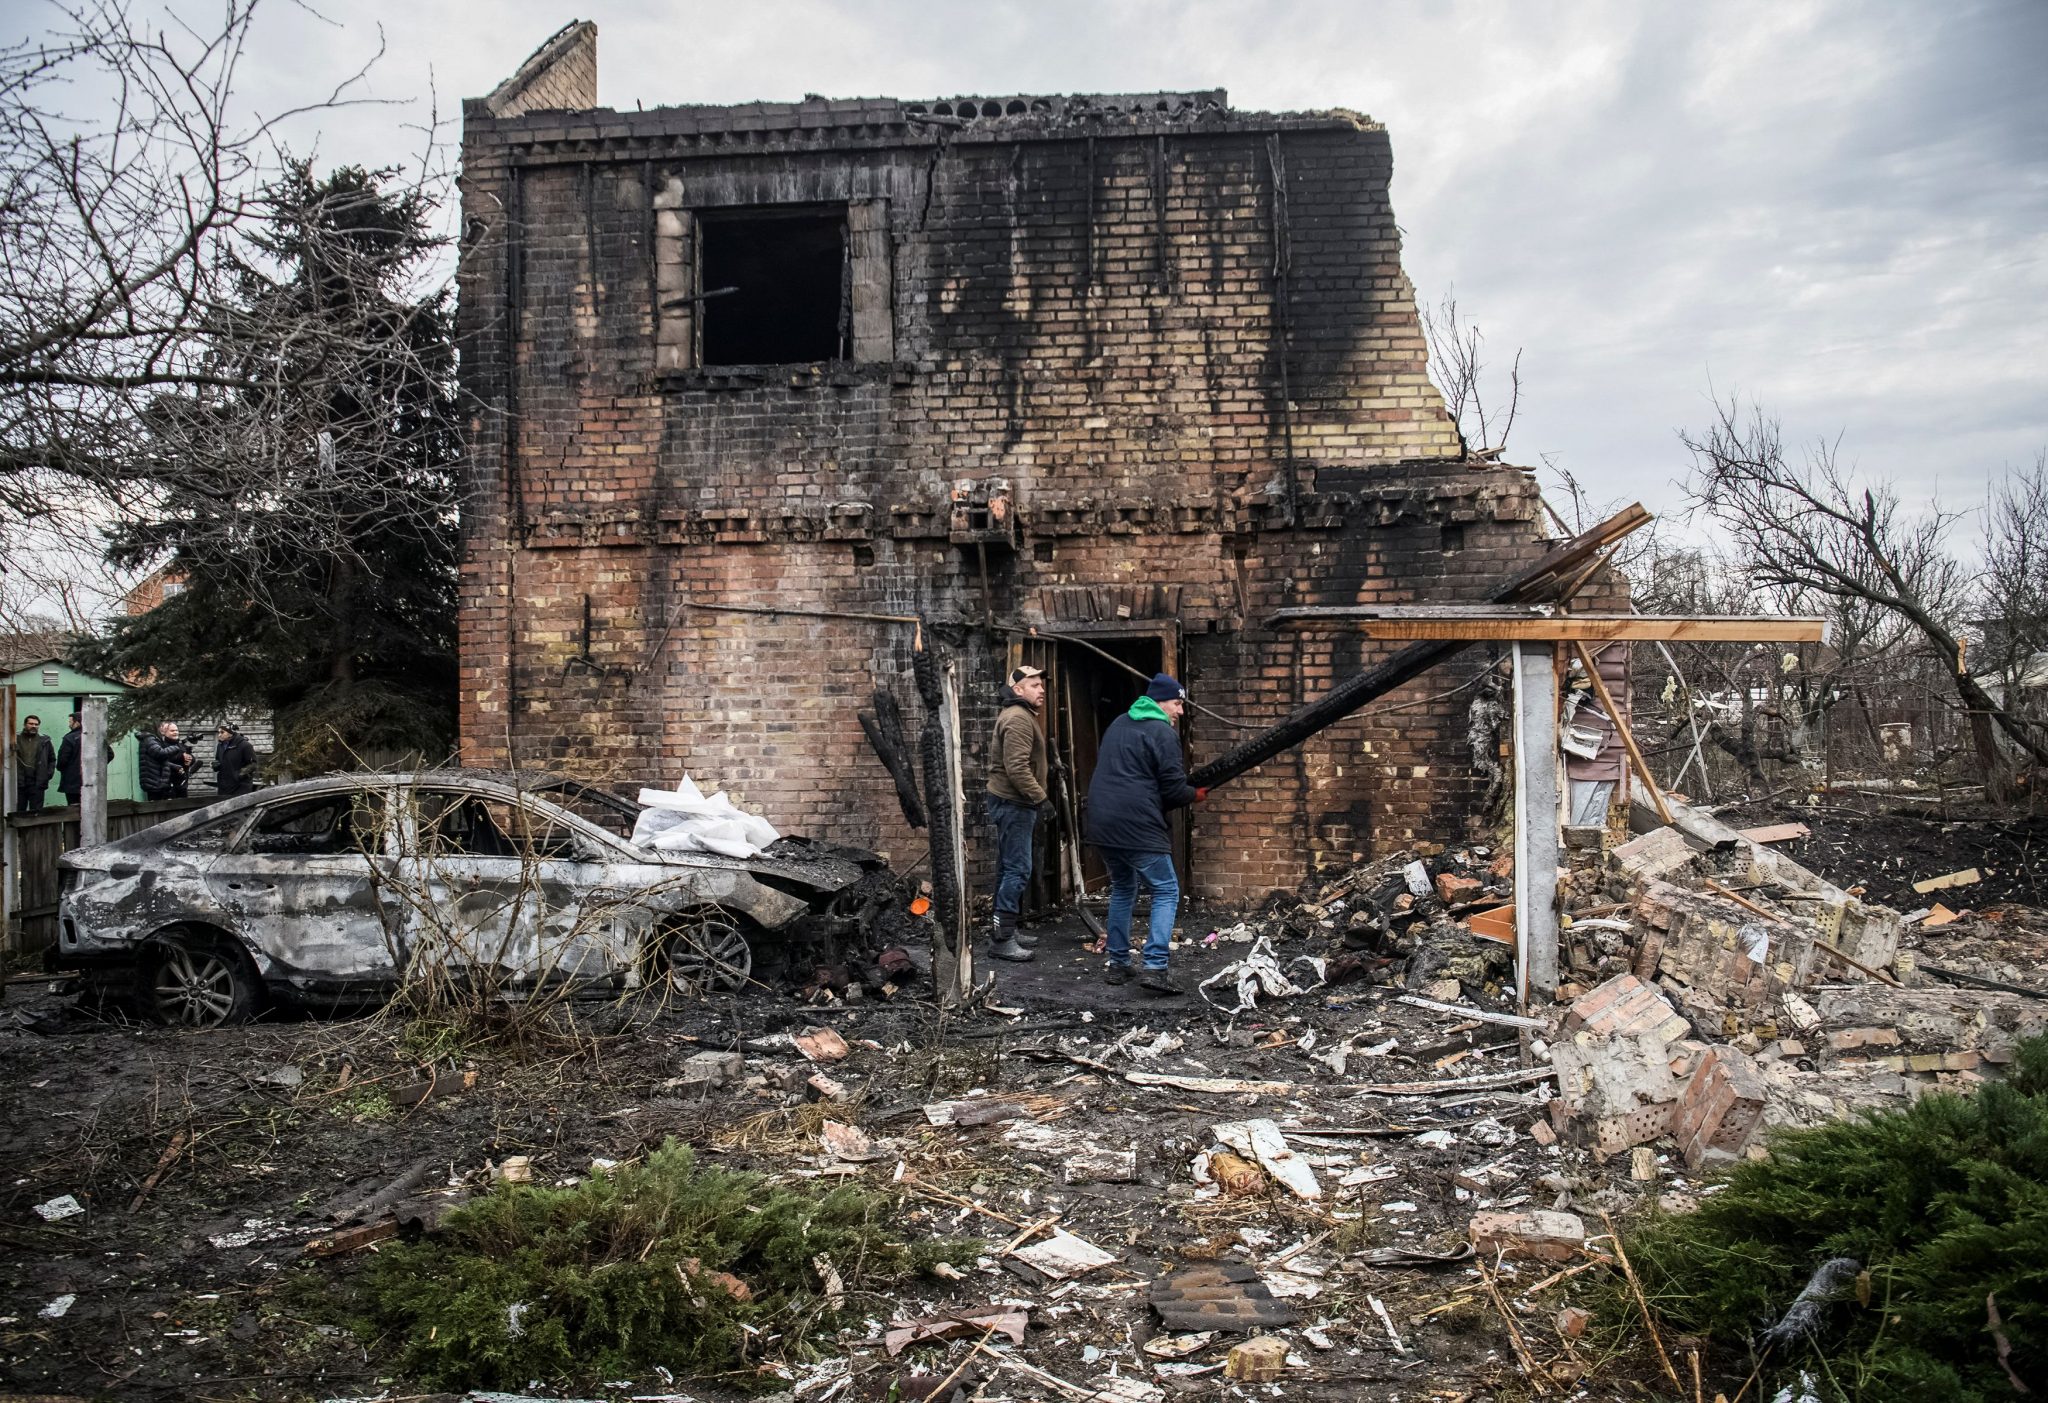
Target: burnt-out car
(339, 890)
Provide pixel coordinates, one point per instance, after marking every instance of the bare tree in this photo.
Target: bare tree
(1810, 530)
(1458, 365)
(122, 156)
(2014, 586)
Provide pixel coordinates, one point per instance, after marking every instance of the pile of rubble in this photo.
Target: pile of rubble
(1711, 986)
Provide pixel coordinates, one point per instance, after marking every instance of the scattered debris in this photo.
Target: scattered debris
(1967, 877)
(822, 1045)
(1261, 1140)
(1063, 1256)
(1259, 973)
(1008, 1321)
(1260, 1359)
(1218, 1296)
(59, 1208)
(1541, 1234)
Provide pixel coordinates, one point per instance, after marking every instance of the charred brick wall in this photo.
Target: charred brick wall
(1179, 338)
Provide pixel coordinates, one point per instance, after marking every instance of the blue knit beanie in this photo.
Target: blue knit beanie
(1165, 689)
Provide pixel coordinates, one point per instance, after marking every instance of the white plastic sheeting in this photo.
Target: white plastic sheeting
(1259, 972)
(687, 820)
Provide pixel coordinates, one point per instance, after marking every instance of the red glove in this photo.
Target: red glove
(1200, 795)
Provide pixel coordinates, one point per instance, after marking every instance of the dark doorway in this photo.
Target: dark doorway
(1088, 690)
(788, 270)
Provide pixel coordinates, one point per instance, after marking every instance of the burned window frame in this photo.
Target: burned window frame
(866, 290)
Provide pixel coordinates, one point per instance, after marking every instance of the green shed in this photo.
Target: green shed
(51, 690)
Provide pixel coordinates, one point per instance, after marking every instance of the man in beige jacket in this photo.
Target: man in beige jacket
(1016, 797)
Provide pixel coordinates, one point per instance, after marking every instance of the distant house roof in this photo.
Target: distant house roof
(28, 675)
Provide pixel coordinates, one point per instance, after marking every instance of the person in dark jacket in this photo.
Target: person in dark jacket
(233, 760)
(1016, 797)
(70, 778)
(35, 760)
(1138, 778)
(166, 763)
(71, 761)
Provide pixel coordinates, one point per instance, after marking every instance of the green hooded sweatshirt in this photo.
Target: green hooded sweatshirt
(1145, 709)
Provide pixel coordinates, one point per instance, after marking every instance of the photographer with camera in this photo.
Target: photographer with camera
(166, 763)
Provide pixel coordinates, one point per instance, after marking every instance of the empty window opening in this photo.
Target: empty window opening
(787, 269)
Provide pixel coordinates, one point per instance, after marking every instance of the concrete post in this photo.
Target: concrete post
(1536, 819)
(92, 770)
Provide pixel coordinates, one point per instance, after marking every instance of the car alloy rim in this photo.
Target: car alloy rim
(195, 986)
(709, 953)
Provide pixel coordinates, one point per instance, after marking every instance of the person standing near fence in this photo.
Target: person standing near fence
(35, 760)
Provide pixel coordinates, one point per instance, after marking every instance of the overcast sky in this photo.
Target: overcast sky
(1838, 208)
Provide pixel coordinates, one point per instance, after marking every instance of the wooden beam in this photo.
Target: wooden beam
(1578, 628)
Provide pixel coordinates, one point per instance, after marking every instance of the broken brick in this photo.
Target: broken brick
(1541, 1235)
(1658, 855)
(1722, 1108)
(1850, 1039)
(1452, 889)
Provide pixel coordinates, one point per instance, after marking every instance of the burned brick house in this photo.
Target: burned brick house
(1134, 372)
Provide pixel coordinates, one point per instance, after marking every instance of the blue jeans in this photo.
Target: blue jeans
(1125, 871)
(1012, 825)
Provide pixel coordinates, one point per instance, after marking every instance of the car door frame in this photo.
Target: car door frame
(297, 912)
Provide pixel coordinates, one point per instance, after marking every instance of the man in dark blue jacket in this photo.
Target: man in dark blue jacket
(1138, 777)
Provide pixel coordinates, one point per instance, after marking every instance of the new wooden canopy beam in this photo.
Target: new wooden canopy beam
(1482, 624)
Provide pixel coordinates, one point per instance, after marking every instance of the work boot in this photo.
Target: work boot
(1026, 938)
(1116, 974)
(1158, 982)
(1011, 950)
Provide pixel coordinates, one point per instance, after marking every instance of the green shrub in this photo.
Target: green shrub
(1944, 1203)
(613, 1276)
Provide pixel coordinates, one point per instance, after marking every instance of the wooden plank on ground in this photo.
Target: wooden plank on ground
(1776, 832)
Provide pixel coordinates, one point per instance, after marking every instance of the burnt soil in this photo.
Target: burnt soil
(199, 1290)
(1884, 850)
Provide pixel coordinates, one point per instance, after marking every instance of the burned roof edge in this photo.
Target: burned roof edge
(823, 123)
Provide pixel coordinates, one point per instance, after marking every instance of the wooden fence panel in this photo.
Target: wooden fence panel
(40, 838)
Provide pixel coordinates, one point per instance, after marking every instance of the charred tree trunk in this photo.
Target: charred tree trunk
(952, 949)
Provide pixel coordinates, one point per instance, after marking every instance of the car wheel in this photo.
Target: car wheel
(200, 981)
(705, 951)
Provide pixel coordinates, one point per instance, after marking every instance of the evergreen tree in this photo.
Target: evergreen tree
(312, 519)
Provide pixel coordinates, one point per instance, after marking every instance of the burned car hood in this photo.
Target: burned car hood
(789, 864)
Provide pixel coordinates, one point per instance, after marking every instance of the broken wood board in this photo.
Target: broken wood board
(1776, 833)
(1484, 1082)
(1479, 1015)
(1063, 1256)
(1939, 916)
(351, 1239)
(1969, 876)
(1497, 925)
(1008, 1321)
(1261, 1140)
(971, 1111)
(1212, 1086)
